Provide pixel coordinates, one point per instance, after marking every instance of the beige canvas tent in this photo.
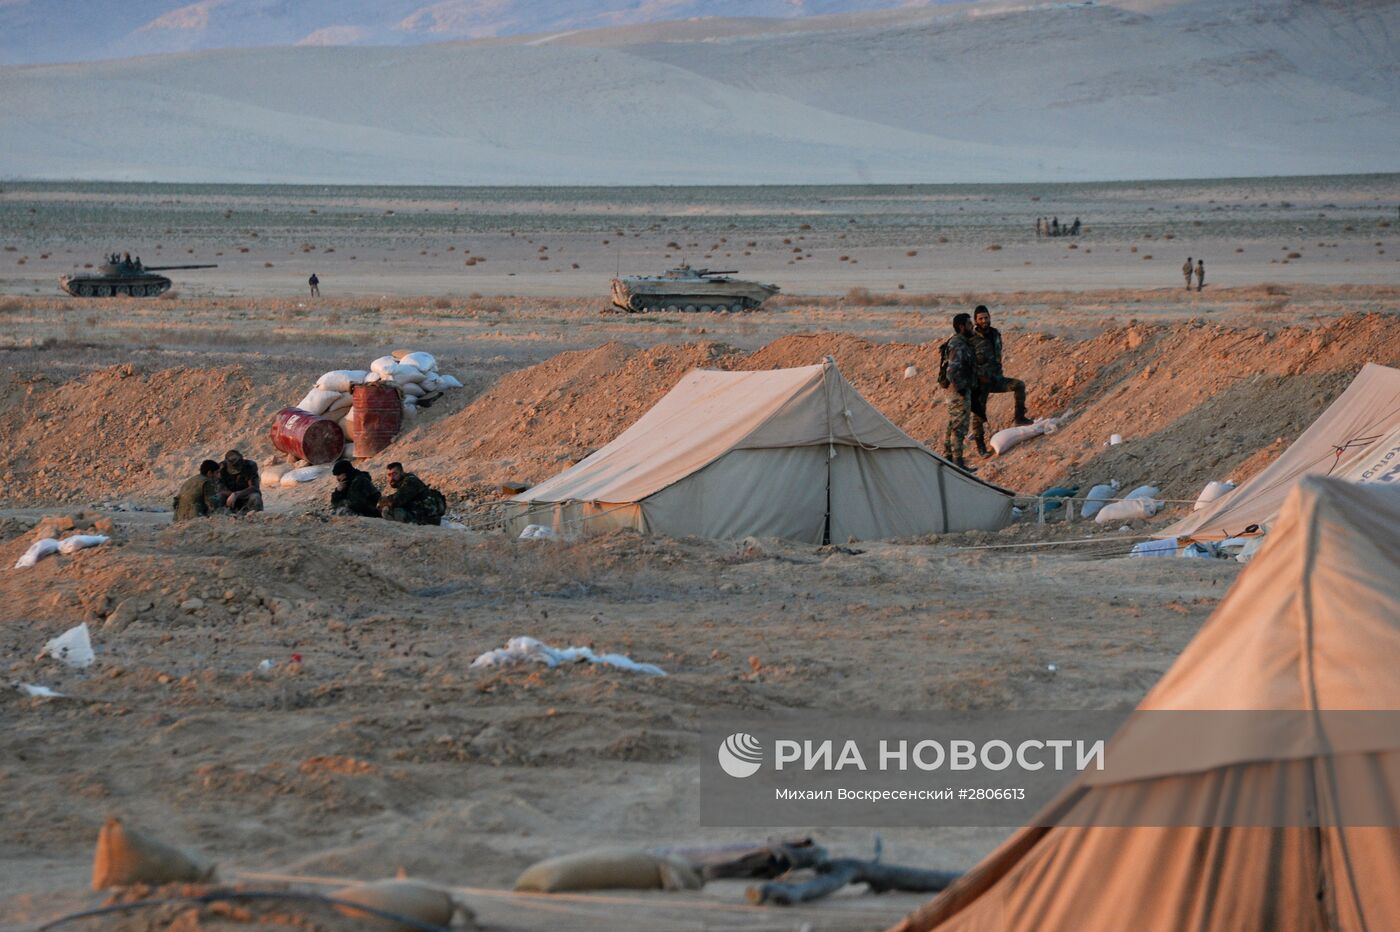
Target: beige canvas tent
(1312, 624)
(793, 453)
(1356, 438)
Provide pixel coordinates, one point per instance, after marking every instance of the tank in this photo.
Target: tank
(687, 289)
(122, 275)
(378, 408)
(307, 436)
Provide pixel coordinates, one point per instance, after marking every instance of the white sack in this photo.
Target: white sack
(373, 377)
(529, 650)
(36, 552)
(422, 361)
(1004, 440)
(81, 542)
(432, 383)
(1144, 491)
(1134, 509)
(1211, 492)
(303, 474)
(536, 532)
(1165, 547)
(412, 390)
(404, 375)
(449, 381)
(1250, 549)
(1098, 497)
(73, 647)
(342, 403)
(382, 365)
(340, 380)
(317, 401)
(272, 472)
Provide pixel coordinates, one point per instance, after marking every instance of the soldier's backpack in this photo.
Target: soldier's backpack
(434, 506)
(943, 380)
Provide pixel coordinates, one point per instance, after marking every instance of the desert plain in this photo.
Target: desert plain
(369, 745)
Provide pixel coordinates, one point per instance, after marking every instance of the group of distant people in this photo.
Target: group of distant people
(970, 368)
(234, 486)
(125, 262)
(1051, 226)
(1199, 270)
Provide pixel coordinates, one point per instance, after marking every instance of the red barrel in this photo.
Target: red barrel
(378, 408)
(307, 436)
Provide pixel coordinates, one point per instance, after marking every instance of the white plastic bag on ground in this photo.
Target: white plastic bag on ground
(317, 401)
(424, 362)
(1211, 492)
(37, 551)
(1144, 491)
(303, 474)
(1156, 548)
(340, 380)
(1098, 497)
(1133, 509)
(529, 650)
(73, 647)
(449, 381)
(81, 542)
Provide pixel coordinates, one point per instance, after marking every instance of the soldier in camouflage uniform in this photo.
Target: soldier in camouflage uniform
(960, 378)
(239, 483)
(199, 495)
(991, 380)
(409, 500)
(355, 492)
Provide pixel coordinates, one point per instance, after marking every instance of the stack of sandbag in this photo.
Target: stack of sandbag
(415, 373)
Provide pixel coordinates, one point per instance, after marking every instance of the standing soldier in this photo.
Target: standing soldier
(239, 484)
(986, 346)
(1186, 270)
(958, 373)
(199, 495)
(409, 500)
(315, 284)
(1200, 276)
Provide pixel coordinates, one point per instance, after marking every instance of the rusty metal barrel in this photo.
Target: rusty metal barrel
(378, 408)
(307, 436)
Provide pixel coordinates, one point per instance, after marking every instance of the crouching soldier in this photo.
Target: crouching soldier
(355, 492)
(239, 484)
(409, 500)
(199, 495)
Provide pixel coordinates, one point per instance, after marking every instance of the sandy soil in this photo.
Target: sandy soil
(379, 749)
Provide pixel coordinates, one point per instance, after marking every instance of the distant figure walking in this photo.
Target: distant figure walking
(1039, 227)
(1054, 226)
(315, 284)
(1186, 270)
(1074, 227)
(1200, 275)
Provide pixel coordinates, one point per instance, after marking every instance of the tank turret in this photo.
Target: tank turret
(122, 275)
(686, 289)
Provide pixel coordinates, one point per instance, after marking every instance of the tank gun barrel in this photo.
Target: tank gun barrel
(717, 271)
(171, 268)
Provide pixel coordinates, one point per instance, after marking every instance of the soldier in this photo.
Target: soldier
(199, 495)
(1186, 270)
(355, 492)
(239, 484)
(411, 501)
(958, 373)
(1200, 276)
(986, 345)
(315, 284)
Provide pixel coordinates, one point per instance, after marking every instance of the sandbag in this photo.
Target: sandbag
(342, 403)
(126, 857)
(340, 380)
(1133, 509)
(1004, 440)
(272, 472)
(81, 542)
(449, 381)
(1144, 491)
(412, 390)
(1098, 496)
(1211, 492)
(1166, 547)
(422, 361)
(609, 869)
(412, 899)
(402, 374)
(302, 474)
(317, 401)
(41, 548)
(431, 384)
(382, 365)
(373, 377)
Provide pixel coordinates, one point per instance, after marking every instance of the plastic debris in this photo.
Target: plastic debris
(1199, 550)
(38, 692)
(36, 552)
(1115, 439)
(529, 650)
(910, 371)
(73, 647)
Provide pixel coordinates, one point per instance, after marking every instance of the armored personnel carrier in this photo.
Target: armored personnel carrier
(687, 289)
(122, 275)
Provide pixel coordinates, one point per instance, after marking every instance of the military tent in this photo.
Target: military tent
(1356, 438)
(1312, 625)
(792, 453)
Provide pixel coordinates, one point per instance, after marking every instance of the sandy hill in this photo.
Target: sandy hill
(982, 92)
